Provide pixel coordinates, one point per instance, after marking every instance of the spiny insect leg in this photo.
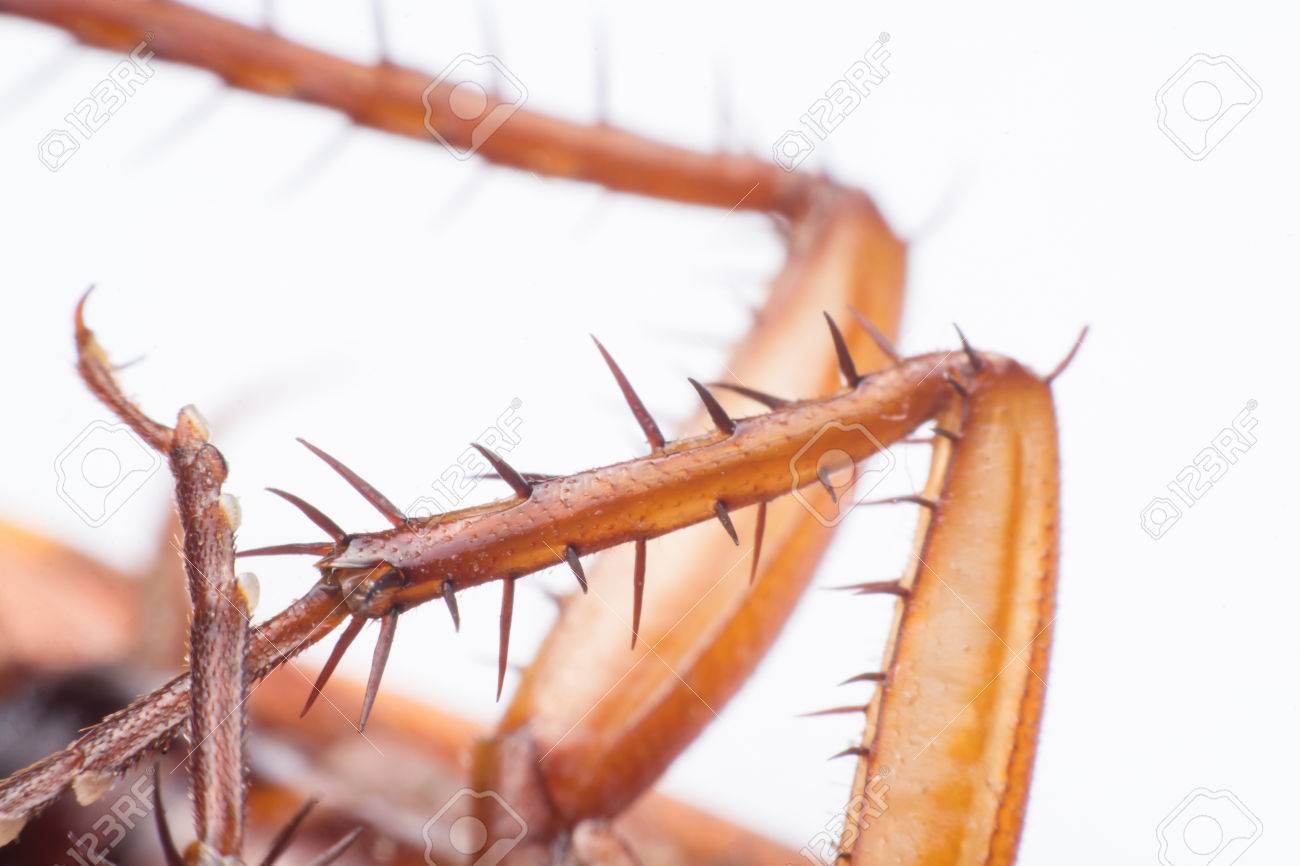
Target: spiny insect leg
(760, 523)
(170, 854)
(768, 400)
(638, 588)
(314, 514)
(387, 629)
(508, 473)
(507, 611)
(285, 836)
(648, 425)
(97, 373)
(852, 751)
(345, 640)
(715, 410)
(847, 368)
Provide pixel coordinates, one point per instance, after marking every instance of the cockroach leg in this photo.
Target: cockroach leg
(220, 604)
(97, 373)
(983, 579)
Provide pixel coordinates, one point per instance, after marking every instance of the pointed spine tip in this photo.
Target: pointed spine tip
(721, 419)
(508, 474)
(648, 426)
(379, 661)
(725, 519)
(848, 369)
(638, 588)
(1069, 357)
(976, 362)
(327, 670)
(760, 523)
(312, 513)
(575, 563)
(381, 503)
(453, 607)
(503, 648)
(868, 677)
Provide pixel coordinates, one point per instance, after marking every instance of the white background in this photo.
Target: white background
(293, 276)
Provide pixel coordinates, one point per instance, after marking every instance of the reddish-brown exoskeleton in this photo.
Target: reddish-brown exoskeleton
(572, 755)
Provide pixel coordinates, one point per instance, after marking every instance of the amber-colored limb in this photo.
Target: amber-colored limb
(219, 608)
(952, 764)
(399, 100)
(606, 736)
(763, 458)
(839, 245)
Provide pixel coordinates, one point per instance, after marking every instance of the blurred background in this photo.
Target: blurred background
(1126, 167)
